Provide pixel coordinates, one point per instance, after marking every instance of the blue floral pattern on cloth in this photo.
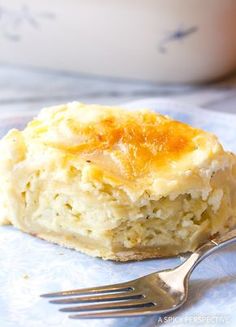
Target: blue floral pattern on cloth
(30, 266)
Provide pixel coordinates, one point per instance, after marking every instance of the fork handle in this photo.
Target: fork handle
(206, 249)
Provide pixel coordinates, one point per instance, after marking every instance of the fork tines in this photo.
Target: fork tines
(108, 301)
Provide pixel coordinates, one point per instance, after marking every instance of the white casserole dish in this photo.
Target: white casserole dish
(156, 40)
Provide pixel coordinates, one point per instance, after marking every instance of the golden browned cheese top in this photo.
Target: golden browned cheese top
(122, 143)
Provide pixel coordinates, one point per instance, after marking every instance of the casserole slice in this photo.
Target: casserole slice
(116, 184)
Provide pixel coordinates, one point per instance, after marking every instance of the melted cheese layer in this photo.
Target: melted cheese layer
(123, 145)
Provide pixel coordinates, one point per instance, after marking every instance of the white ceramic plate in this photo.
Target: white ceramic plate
(30, 267)
(159, 40)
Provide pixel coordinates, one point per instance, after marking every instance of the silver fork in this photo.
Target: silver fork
(156, 293)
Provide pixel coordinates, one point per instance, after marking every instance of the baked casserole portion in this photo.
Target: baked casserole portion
(116, 184)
